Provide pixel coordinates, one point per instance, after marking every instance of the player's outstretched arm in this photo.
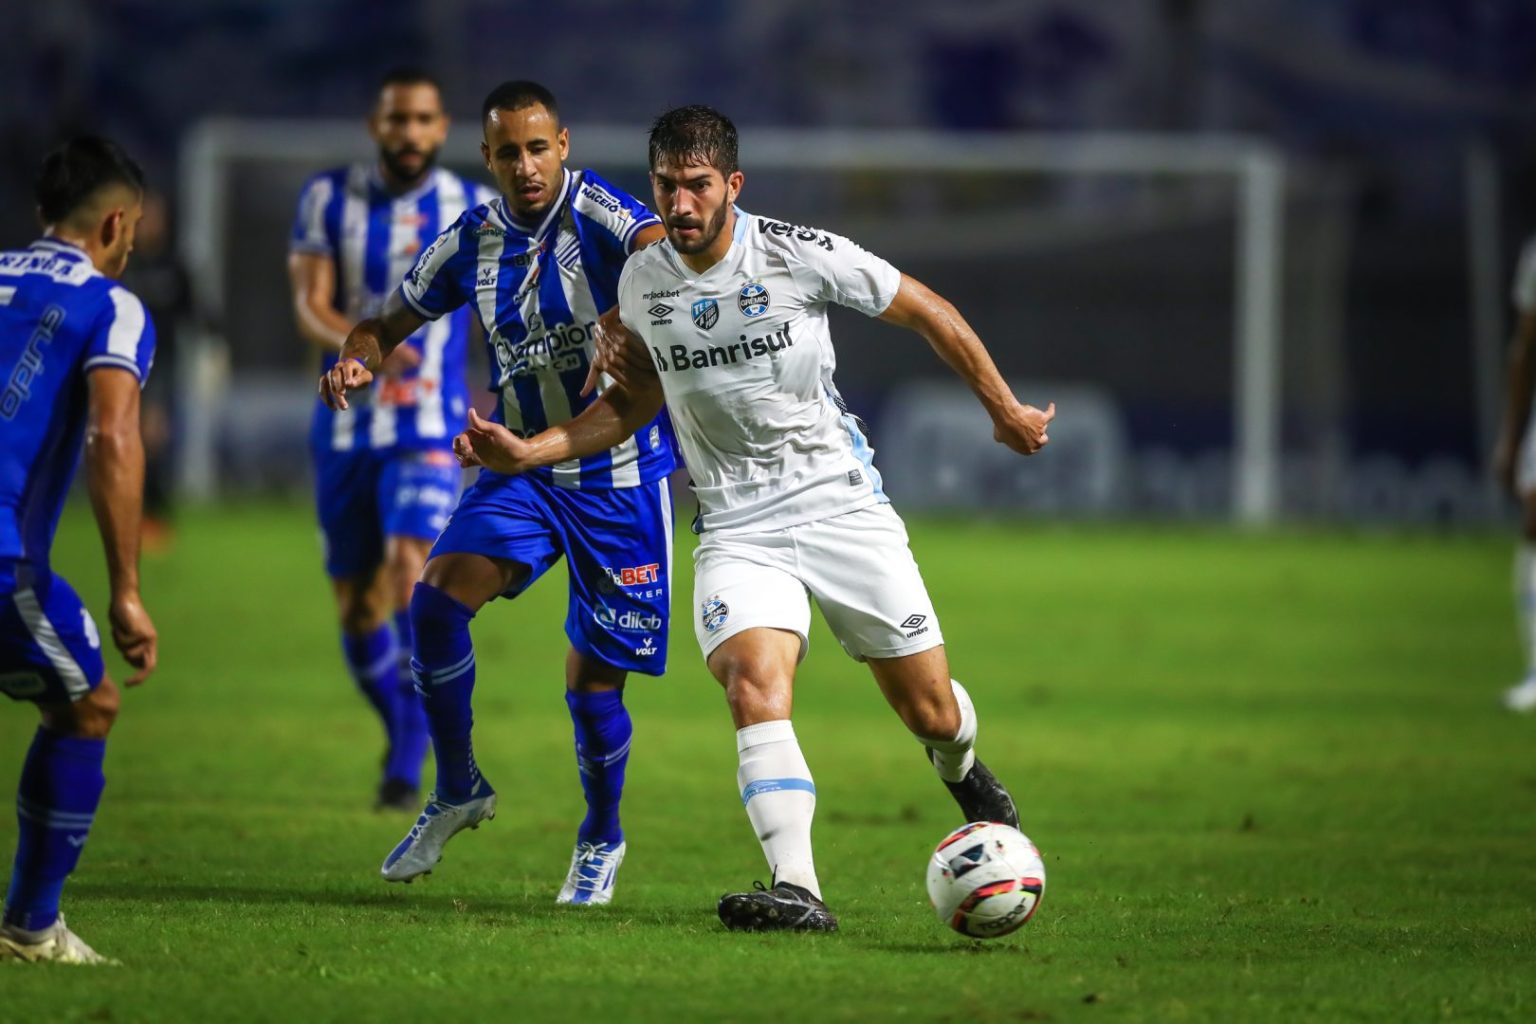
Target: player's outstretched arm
(616, 415)
(1517, 401)
(369, 344)
(114, 473)
(916, 306)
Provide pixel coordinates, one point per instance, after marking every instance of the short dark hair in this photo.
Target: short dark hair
(696, 134)
(409, 74)
(77, 170)
(518, 95)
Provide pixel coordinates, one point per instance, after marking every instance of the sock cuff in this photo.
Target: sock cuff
(82, 748)
(428, 600)
(764, 732)
(594, 702)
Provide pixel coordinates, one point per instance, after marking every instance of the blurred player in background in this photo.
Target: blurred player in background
(728, 321)
(385, 480)
(75, 350)
(1514, 461)
(540, 265)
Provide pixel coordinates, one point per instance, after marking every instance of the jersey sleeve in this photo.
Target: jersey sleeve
(123, 337)
(432, 288)
(830, 268)
(1523, 294)
(625, 291)
(311, 227)
(616, 212)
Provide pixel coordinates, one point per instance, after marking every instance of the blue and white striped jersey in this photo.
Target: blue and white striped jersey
(539, 290)
(374, 238)
(59, 320)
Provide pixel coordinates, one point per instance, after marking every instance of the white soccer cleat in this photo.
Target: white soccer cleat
(55, 944)
(421, 849)
(594, 867)
(1522, 698)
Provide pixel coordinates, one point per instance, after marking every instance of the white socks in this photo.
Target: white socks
(780, 799)
(953, 757)
(1525, 601)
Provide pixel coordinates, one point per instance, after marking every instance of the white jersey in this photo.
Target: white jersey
(746, 362)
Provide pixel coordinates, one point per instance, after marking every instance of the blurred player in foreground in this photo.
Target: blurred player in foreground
(75, 349)
(727, 320)
(540, 264)
(1514, 461)
(384, 477)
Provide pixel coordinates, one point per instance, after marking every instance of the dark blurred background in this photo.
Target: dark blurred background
(1124, 196)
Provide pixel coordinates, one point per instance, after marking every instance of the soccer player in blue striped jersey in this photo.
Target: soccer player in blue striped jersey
(384, 479)
(75, 348)
(540, 265)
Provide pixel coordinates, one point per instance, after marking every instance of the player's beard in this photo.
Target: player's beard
(706, 237)
(391, 162)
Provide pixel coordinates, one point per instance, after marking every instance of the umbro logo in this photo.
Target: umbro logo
(660, 309)
(913, 624)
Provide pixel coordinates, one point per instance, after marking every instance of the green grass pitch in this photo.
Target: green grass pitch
(1268, 774)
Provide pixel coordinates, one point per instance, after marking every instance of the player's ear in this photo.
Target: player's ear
(485, 156)
(733, 185)
(563, 140)
(112, 227)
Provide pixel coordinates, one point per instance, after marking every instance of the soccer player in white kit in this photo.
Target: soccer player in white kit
(1514, 461)
(730, 313)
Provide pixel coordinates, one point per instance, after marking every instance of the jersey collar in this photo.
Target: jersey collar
(550, 215)
(58, 245)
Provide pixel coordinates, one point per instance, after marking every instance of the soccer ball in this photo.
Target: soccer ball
(985, 879)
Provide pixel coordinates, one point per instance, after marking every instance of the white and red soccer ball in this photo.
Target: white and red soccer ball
(985, 879)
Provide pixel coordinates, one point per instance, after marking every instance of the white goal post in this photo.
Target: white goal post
(1256, 168)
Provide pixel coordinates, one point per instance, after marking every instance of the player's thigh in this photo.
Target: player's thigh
(618, 548)
(497, 542)
(860, 569)
(743, 582)
(346, 502)
(50, 648)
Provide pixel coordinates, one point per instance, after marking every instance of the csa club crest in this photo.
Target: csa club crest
(706, 313)
(753, 300)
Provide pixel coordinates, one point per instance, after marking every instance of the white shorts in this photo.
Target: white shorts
(857, 566)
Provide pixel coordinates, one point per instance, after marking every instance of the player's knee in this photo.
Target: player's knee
(931, 716)
(90, 718)
(434, 612)
(363, 609)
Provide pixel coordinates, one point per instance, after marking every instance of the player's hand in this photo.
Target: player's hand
(1023, 427)
(1505, 461)
(493, 446)
(347, 375)
(612, 354)
(133, 634)
(403, 358)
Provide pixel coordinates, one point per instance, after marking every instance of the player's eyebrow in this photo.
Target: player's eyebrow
(684, 177)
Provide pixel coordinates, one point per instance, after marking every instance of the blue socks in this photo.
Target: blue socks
(444, 669)
(61, 785)
(373, 660)
(603, 732)
(413, 737)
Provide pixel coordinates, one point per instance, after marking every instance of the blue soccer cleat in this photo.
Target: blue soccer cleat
(421, 849)
(594, 867)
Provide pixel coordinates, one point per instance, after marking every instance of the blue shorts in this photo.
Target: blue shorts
(50, 651)
(365, 496)
(618, 547)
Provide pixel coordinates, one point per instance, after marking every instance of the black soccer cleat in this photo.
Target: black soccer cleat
(397, 795)
(981, 797)
(784, 908)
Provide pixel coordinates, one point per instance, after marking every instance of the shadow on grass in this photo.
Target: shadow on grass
(416, 901)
